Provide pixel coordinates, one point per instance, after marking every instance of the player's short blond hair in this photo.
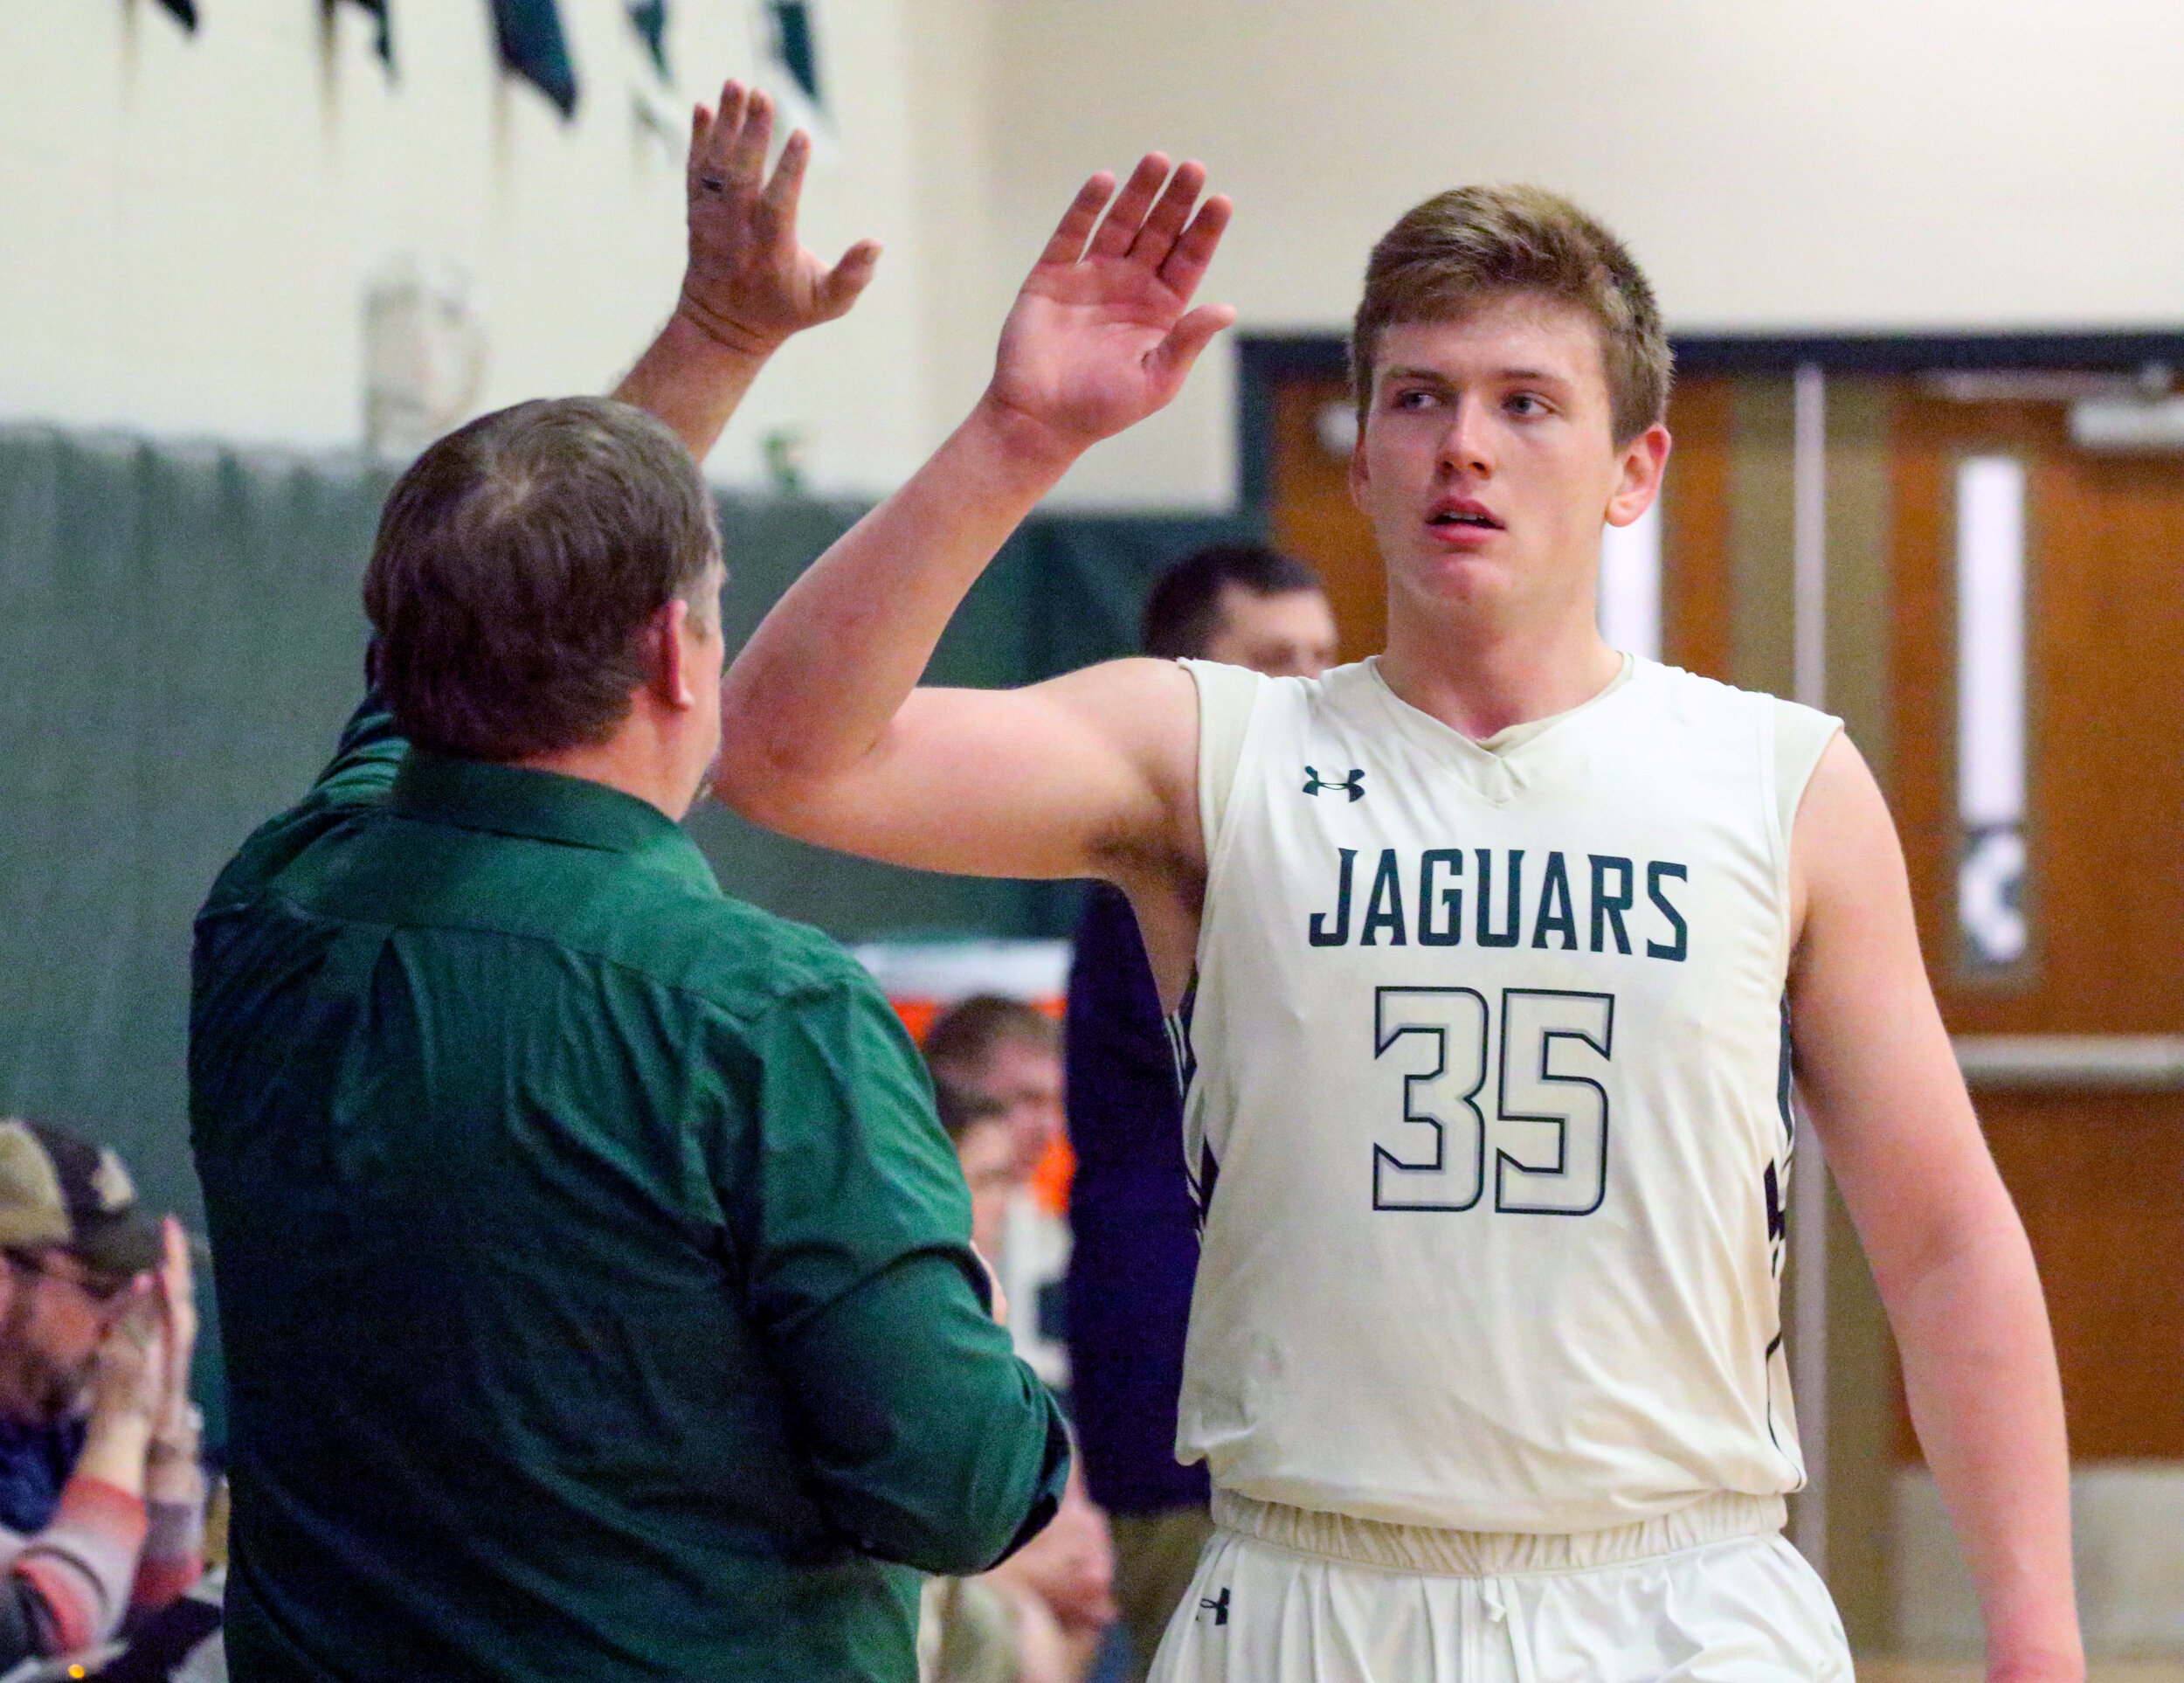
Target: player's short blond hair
(1473, 245)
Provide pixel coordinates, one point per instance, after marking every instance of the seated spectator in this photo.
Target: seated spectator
(1039, 1616)
(102, 1496)
(1065, 1578)
(1011, 1053)
(977, 1126)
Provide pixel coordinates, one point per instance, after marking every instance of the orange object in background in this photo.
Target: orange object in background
(1050, 1181)
(917, 1015)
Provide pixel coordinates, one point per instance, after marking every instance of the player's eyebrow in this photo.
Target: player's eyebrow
(1512, 375)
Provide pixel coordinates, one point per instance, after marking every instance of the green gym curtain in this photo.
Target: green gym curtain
(181, 640)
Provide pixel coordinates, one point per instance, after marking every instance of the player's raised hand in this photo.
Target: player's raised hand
(749, 284)
(1102, 333)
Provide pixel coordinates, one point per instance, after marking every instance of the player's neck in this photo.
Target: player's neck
(1480, 678)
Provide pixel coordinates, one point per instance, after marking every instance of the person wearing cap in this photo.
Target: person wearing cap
(102, 1496)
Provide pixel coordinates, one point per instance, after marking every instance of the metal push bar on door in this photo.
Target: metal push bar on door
(2071, 1063)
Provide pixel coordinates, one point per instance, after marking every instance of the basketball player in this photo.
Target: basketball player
(1498, 950)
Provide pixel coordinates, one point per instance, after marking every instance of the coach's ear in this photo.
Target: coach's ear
(672, 642)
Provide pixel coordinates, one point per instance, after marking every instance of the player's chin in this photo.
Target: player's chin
(1461, 577)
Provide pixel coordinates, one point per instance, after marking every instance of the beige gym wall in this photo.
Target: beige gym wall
(190, 223)
(1871, 165)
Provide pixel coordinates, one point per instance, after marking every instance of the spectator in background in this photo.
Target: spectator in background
(979, 1129)
(1039, 1616)
(1009, 1053)
(1128, 1297)
(101, 1498)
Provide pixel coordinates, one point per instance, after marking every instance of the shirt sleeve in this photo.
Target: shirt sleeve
(362, 770)
(174, 1554)
(929, 1441)
(73, 1578)
(1227, 694)
(1802, 735)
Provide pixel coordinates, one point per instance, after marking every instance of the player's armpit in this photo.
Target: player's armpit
(1090, 774)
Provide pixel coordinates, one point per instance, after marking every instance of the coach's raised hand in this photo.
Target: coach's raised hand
(749, 284)
(1102, 333)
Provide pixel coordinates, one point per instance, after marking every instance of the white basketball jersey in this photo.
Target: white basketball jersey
(1488, 1105)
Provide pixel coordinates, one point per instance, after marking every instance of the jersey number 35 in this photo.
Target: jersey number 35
(1549, 1130)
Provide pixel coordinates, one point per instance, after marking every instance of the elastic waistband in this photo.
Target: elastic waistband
(1718, 1518)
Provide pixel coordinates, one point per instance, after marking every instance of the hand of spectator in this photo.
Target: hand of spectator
(126, 1388)
(128, 1371)
(994, 1283)
(171, 1469)
(749, 284)
(175, 1293)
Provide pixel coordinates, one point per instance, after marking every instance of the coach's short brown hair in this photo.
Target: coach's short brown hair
(1472, 245)
(518, 562)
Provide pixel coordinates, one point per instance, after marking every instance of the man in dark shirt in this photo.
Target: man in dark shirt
(1135, 1245)
(594, 1274)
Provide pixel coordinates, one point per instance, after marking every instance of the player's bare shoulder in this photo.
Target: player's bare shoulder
(1146, 713)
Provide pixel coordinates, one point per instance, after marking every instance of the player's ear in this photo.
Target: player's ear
(1644, 460)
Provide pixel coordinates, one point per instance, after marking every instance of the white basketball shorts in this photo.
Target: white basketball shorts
(1744, 1609)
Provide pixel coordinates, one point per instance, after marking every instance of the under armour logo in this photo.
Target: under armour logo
(1220, 1607)
(1352, 785)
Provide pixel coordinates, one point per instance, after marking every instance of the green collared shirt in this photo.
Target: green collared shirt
(593, 1275)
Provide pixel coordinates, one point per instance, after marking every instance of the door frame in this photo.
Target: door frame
(1264, 360)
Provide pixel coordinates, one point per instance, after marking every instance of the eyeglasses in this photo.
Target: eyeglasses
(101, 1289)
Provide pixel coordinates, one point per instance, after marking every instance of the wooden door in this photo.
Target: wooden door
(2096, 1172)
(1312, 516)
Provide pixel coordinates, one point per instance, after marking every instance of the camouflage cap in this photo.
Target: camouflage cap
(56, 1189)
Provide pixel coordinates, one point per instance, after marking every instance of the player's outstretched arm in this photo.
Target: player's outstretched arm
(748, 284)
(825, 734)
(1948, 1252)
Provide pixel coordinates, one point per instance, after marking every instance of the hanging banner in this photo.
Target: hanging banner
(795, 48)
(383, 39)
(533, 47)
(649, 20)
(659, 113)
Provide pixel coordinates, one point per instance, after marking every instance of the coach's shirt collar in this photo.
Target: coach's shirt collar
(545, 807)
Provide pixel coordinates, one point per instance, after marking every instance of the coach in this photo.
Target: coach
(594, 1274)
